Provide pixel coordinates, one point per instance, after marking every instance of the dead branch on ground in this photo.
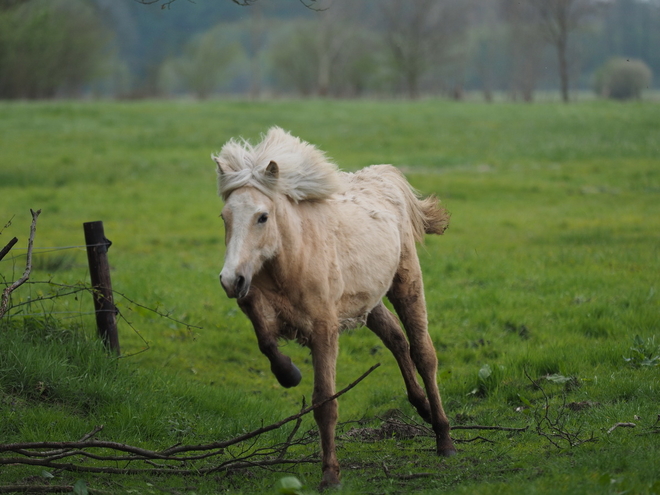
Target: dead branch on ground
(552, 425)
(45, 489)
(621, 425)
(398, 425)
(175, 460)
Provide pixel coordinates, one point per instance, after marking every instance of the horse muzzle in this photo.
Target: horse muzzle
(235, 287)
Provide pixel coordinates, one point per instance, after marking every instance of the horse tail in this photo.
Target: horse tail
(434, 217)
(426, 214)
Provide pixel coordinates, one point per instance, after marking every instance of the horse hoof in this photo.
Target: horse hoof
(288, 378)
(447, 452)
(330, 480)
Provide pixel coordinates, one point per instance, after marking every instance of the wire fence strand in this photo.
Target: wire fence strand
(66, 290)
(48, 249)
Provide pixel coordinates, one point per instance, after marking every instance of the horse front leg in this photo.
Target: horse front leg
(265, 325)
(324, 346)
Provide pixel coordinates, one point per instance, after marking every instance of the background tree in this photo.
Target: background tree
(334, 48)
(420, 34)
(346, 49)
(329, 54)
(204, 63)
(485, 40)
(294, 58)
(256, 44)
(50, 47)
(333, 33)
(525, 48)
(558, 19)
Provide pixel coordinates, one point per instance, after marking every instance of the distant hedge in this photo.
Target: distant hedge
(622, 78)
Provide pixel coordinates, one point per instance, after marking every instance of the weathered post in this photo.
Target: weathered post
(99, 271)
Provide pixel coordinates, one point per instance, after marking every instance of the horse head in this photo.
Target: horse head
(251, 235)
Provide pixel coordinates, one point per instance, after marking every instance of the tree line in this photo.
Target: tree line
(336, 48)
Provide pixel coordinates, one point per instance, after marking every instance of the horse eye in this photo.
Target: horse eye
(263, 218)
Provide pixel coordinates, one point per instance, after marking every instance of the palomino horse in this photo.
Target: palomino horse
(312, 251)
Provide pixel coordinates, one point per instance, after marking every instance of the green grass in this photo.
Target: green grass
(551, 265)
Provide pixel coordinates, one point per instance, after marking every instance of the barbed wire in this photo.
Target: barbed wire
(61, 290)
(64, 290)
(48, 249)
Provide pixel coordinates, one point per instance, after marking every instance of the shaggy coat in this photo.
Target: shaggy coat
(312, 251)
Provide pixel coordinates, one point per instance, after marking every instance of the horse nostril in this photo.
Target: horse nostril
(239, 284)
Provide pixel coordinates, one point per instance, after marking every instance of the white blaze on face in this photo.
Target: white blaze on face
(250, 237)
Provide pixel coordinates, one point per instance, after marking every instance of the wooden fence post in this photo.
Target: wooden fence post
(99, 271)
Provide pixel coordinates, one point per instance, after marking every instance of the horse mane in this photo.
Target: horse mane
(304, 172)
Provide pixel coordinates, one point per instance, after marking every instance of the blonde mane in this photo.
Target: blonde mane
(304, 172)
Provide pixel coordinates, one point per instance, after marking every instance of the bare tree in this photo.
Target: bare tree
(328, 55)
(294, 58)
(526, 48)
(256, 45)
(205, 61)
(557, 20)
(485, 21)
(420, 34)
(336, 39)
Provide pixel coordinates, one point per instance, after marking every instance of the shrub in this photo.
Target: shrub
(622, 78)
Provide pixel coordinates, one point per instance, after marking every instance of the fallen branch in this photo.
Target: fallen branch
(494, 428)
(28, 266)
(50, 454)
(410, 476)
(555, 429)
(36, 489)
(398, 425)
(621, 425)
(45, 489)
(470, 440)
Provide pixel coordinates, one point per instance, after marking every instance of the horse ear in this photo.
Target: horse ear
(272, 170)
(221, 166)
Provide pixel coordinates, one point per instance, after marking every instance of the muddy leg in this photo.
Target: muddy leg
(407, 297)
(324, 356)
(383, 323)
(257, 310)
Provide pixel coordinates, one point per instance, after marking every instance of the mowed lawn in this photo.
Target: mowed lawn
(543, 295)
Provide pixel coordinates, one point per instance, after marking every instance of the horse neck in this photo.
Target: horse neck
(292, 239)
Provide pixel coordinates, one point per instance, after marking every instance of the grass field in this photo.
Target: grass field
(542, 295)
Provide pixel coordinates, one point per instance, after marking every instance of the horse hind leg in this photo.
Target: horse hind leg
(407, 296)
(385, 325)
(324, 346)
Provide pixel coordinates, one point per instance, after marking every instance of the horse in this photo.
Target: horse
(312, 251)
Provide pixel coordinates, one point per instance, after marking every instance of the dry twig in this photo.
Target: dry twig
(51, 454)
(621, 425)
(494, 428)
(28, 266)
(8, 247)
(554, 429)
